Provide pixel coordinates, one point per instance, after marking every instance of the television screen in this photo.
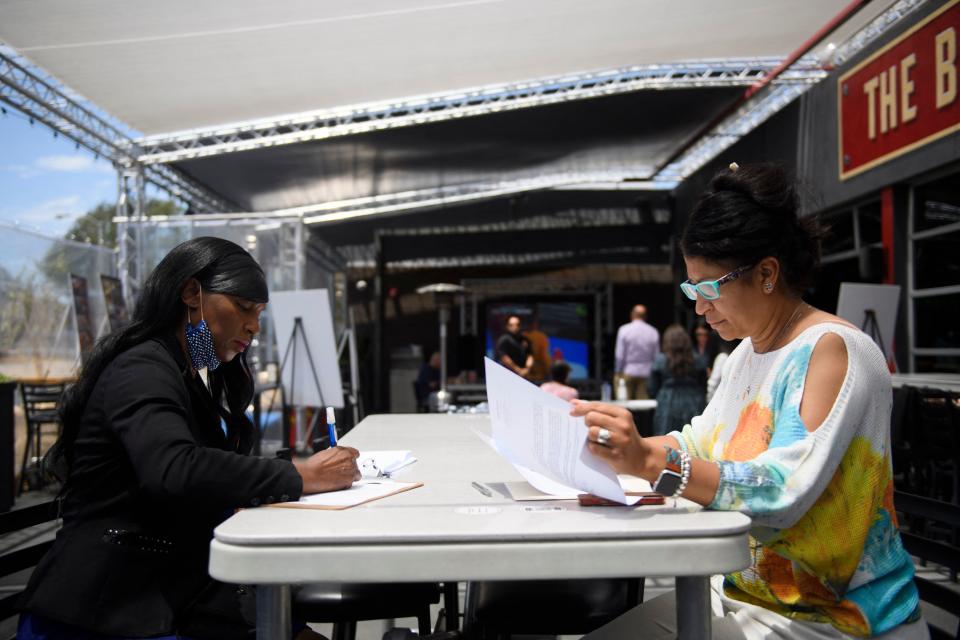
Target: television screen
(554, 331)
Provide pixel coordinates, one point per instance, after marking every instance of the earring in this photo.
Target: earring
(768, 287)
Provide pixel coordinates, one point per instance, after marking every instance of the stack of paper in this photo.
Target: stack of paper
(535, 432)
(360, 492)
(375, 464)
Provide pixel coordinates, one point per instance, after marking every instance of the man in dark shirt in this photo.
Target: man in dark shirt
(513, 351)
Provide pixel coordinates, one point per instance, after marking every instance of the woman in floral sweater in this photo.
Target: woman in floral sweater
(797, 436)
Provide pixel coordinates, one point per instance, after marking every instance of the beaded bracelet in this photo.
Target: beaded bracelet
(684, 473)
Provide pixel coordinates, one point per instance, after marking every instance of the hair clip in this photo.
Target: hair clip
(733, 166)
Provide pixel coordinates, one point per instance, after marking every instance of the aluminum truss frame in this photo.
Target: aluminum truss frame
(330, 123)
(425, 199)
(41, 100)
(131, 200)
(876, 28)
(772, 99)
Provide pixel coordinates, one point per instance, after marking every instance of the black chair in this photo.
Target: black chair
(24, 555)
(498, 609)
(345, 604)
(41, 404)
(917, 513)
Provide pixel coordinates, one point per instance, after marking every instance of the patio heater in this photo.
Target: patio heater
(444, 295)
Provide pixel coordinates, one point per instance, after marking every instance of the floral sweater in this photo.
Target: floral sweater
(824, 543)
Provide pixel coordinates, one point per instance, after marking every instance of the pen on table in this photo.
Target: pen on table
(332, 426)
(482, 489)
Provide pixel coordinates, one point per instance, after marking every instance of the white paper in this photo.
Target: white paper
(361, 491)
(523, 491)
(387, 462)
(317, 341)
(535, 432)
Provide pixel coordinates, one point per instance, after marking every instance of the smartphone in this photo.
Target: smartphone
(590, 500)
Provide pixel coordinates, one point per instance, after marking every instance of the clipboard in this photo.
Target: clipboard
(362, 492)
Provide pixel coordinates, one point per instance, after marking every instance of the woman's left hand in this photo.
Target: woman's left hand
(625, 450)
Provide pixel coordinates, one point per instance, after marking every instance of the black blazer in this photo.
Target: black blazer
(153, 474)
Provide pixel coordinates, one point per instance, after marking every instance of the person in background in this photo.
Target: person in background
(540, 350)
(559, 376)
(428, 379)
(797, 436)
(637, 345)
(154, 456)
(723, 350)
(702, 346)
(678, 382)
(513, 350)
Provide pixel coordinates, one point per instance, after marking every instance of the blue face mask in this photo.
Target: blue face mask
(200, 343)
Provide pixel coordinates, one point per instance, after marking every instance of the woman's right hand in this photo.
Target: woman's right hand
(625, 451)
(329, 470)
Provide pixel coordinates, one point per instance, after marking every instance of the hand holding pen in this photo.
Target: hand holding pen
(329, 470)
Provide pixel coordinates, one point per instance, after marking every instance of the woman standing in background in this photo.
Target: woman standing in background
(678, 381)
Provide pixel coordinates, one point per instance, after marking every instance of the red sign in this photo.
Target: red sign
(901, 97)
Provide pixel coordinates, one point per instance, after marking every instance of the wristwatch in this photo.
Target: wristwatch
(671, 477)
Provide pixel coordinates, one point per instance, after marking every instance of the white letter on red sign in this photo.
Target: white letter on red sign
(946, 73)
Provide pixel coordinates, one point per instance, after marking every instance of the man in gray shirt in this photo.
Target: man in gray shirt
(638, 344)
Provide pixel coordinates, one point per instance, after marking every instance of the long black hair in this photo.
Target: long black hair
(221, 267)
(678, 349)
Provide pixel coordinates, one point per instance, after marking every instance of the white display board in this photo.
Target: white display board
(856, 298)
(312, 306)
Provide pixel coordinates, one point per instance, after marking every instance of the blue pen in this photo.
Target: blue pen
(332, 426)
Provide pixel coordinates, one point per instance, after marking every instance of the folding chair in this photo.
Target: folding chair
(41, 404)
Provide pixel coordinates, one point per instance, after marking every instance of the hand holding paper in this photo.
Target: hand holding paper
(535, 432)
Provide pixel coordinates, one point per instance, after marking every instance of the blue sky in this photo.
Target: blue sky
(46, 182)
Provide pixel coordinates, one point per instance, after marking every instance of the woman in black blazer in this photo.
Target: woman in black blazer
(154, 459)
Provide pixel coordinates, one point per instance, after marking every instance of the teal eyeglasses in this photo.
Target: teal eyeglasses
(710, 289)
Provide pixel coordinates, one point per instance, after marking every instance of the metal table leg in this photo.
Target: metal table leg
(693, 608)
(273, 611)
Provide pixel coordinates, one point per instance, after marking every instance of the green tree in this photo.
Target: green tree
(97, 227)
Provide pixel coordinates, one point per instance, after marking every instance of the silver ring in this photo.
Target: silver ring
(603, 436)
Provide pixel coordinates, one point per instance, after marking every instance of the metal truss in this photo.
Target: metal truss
(130, 204)
(745, 119)
(330, 123)
(876, 28)
(770, 100)
(425, 199)
(42, 100)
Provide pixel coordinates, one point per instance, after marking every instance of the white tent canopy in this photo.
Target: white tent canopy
(184, 64)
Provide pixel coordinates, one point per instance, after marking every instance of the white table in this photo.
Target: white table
(448, 531)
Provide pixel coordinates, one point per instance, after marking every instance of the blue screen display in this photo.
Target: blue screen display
(553, 330)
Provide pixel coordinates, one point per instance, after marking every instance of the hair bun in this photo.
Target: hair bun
(768, 185)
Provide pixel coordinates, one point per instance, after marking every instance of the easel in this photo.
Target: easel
(296, 334)
(871, 327)
(348, 340)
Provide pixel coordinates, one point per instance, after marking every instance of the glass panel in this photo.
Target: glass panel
(937, 203)
(840, 232)
(38, 332)
(937, 364)
(936, 322)
(869, 222)
(935, 261)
